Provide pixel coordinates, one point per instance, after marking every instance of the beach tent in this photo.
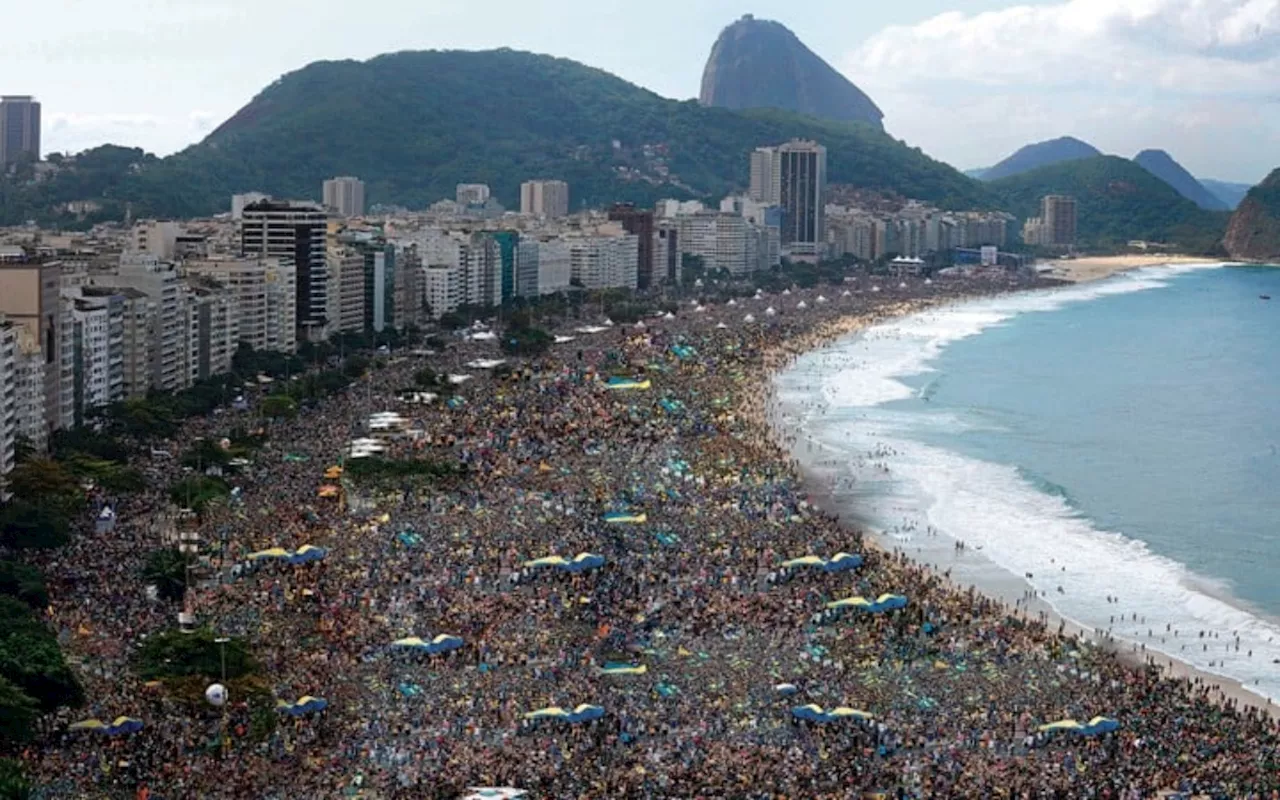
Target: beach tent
(786, 689)
(583, 562)
(803, 561)
(624, 517)
(1094, 727)
(628, 384)
(551, 712)
(844, 712)
(586, 713)
(494, 793)
(441, 644)
(333, 473)
(120, 726)
(582, 713)
(809, 713)
(272, 552)
(621, 668)
(327, 490)
(306, 554)
(546, 561)
(303, 705)
(813, 713)
(842, 561)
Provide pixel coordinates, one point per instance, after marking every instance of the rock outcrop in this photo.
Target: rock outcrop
(1254, 231)
(761, 64)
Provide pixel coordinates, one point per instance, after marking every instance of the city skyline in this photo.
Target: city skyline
(1125, 76)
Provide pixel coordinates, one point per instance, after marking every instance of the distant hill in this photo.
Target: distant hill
(1117, 201)
(758, 63)
(1254, 232)
(1162, 165)
(978, 173)
(1227, 192)
(414, 124)
(1041, 154)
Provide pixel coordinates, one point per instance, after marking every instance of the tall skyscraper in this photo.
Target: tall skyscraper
(345, 195)
(802, 191)
(1059, 214)
(294, 233)
(19, 128)
(793, 176)
(544, 198)
(30, 297)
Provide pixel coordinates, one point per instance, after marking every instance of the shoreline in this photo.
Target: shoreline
(1095, 268)
(767, 414)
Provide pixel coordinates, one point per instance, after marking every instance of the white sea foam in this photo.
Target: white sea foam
(1003, 517)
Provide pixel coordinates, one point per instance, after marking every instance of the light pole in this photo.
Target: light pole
(222, 732)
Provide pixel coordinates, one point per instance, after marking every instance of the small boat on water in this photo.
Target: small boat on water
(1264, 297)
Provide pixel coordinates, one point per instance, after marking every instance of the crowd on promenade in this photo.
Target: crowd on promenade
(691, 636)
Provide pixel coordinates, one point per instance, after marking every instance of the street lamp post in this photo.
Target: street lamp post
(222, 657)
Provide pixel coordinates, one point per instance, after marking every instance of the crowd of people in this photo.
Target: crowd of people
(691, 636)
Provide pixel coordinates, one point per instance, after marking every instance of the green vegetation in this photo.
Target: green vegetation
(406, 123)
(167, 569)
(174, 654)
(1117, 201)
(1267, 194)
(23, 582)
(384, 470)
(198, 491)
(13, 783)
(30, 659)
(526, 341)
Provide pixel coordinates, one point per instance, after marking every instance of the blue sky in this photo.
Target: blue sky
(967, 80)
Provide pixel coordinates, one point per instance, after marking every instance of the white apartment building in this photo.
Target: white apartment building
(527, 259)
(345, 196)
(346, 290)
(472, 194)
(442, 288)
(239, 201)
(97, 349)
(606, 259)
(264, 292)
(169, 330)
(549, 199)
(8, 396)
(157, 238)
(29, 401)
(213, 316)
(723, 242)
(294, 233)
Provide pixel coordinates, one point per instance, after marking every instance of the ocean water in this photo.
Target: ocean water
(1118, 440)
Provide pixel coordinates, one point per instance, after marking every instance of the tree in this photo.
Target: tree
(198, 491)
(426, 378)
(26, 525)
(43, 479)
(531, 342)
(167, 570)
(31, 660)
(174, 654)
(13, 783)
(18, 715)
(452, 321)
(206, 453)
(23, 582)
(279, 406)
(355, 366)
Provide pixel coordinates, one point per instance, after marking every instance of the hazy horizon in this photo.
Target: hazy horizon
(969, 88)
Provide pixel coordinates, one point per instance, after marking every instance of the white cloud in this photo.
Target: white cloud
(1196, 77)
(71, 132)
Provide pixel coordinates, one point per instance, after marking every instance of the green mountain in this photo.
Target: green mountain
(1226, 191)
(1254, 232)
(1117, 201)
(1162, 165)
(412, 125)
(1041, 154)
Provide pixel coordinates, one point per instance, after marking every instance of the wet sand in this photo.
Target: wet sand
(1094, 268)
(764, 410)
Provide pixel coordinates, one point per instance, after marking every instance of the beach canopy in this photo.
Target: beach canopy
(885, 602)
(120, 726)
(307, 553)
(837, 563)
(1093, 727)
(621, 384)
(814, 713)
(622, 668)
(625, 517)
(303, 705)
(271, 552)
(327, 490)
(441, 644)
(494, 793)
(786, 689)
(333, 473)
(579, 563)
(583, 713)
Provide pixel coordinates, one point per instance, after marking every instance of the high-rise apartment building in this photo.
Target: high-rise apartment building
(794, 177)
(19, 129)
(168, 324)
(295, 234)
(9, 378)
(472, 194)
(30, 297)
(345, 196)
(548, 199)
(263, 289)
(239, 201)
(214, 320)
(98, 349)
(346, 290)
(638, 221)
(442, 288)
(1059, 214)
(604, 259)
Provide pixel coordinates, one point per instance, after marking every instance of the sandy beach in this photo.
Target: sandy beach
(1093, 268)
(764, 410)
